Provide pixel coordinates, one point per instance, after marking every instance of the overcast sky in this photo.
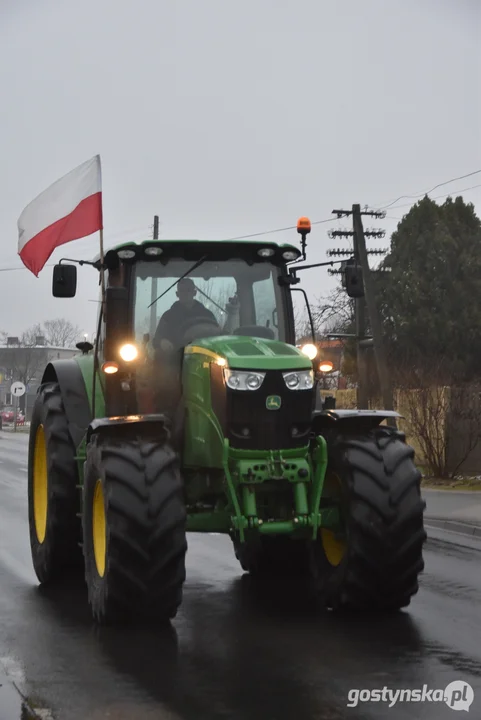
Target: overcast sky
(228, 118)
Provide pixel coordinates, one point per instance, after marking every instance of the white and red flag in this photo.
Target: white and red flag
(69, 209)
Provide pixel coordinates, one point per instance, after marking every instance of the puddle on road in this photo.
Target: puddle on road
(14, 707)
(11, 703)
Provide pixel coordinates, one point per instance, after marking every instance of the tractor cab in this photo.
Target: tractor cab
(240, 298)
(239, 283)
(163, 299)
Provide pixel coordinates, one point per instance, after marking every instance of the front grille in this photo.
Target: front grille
(287, 427)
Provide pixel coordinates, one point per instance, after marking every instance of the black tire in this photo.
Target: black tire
(383, 514)
(58, 550)
(145, 530)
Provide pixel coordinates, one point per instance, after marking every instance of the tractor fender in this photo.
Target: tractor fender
(350, 420)
(156, 425)
(75, 399)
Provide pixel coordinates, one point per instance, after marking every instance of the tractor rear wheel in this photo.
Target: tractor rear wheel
(375, 563)
(53, 494)
(134, 529)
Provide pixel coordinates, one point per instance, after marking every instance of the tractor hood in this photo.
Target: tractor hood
(251, 353)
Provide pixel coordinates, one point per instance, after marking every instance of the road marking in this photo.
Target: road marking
(473, 534)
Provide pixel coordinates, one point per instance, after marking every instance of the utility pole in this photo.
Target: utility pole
(362, 367)
(357, 281)
(381, 360)
(153, 293)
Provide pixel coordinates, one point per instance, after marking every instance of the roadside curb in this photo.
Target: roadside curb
(457, 526)
(452, 490)
(21, 430)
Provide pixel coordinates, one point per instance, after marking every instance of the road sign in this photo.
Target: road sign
(17, 389)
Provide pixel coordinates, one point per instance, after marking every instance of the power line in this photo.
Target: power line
(389, 217)
(11, 269)
(277, 230)
(319, 222)
(437, 197)
(426, 192)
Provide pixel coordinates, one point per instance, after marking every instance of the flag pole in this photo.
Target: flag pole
(102, 270)
(101, 317)
(102, 259)
(101, 230)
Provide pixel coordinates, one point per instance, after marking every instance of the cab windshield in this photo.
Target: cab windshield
(216, 298)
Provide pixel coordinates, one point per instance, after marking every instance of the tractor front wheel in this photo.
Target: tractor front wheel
(375, 561)
(134, 529)
(53, 495)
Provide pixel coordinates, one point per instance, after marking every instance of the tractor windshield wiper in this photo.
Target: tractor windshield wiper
(194, 267)
(210, 299)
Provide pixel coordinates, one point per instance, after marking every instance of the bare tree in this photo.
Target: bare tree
(444, 417)
(61, 333)
(463, 425)
(29, 337)
(426, 409)
(334, 312)
(302, 326)
(22, 362)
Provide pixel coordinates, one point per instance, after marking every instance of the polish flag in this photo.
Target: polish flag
(69, 209)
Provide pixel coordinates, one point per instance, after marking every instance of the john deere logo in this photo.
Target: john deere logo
(273, 402)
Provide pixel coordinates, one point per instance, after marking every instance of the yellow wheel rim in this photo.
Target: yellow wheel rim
(40, 485)
(334, 547)
(99, 528)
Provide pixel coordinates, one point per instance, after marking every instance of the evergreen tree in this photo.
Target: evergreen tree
(430, 301)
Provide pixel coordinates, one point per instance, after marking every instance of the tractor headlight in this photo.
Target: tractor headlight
(309, 350)
(242, 380)
(128, 352)
(290, 255)
(301, 380)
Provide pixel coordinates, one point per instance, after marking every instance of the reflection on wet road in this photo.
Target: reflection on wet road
(229, 653)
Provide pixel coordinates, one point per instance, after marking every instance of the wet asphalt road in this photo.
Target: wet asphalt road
(229, 653)
(455, 506)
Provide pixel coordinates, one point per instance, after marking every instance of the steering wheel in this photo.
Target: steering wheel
(258, 331)
(198, 327)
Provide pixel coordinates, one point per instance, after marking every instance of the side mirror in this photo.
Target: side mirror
(352, 280)
(64, 282)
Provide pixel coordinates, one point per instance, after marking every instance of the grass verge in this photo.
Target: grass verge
(467, 484)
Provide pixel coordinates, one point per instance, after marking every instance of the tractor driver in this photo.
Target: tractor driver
(169, 333)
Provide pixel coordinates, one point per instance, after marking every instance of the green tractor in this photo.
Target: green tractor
(137, 441)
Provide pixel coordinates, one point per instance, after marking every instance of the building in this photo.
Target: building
(332, 350)
(26, 364)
